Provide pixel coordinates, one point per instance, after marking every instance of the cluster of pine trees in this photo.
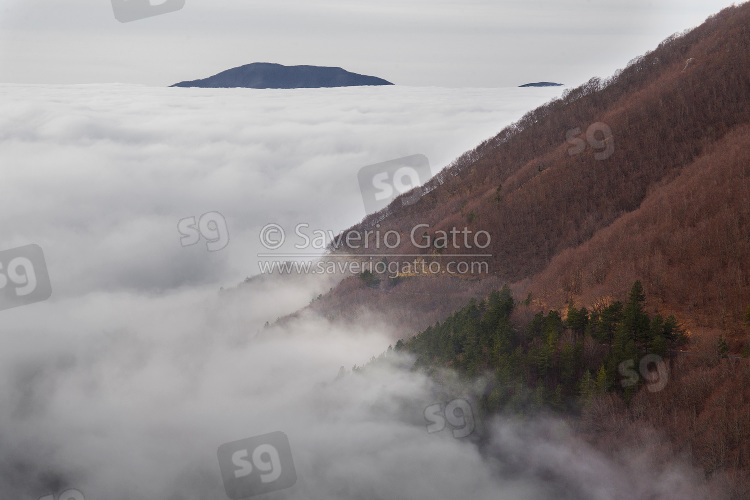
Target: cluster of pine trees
(550, 362)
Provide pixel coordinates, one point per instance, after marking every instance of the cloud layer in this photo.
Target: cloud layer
(124, 383)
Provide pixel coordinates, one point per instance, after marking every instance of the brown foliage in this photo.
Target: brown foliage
(689, 242)
(669, 206)
(704, 412)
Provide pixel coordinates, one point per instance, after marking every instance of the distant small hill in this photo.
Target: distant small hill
(277, 76)
(542, 84)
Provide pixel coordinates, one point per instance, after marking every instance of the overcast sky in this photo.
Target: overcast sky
(450, 43)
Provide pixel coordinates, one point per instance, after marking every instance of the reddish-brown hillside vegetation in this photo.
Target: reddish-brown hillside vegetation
(689, 242)
(644, 176)
(657, 190)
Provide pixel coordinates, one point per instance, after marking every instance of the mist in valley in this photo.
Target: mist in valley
(149, 355)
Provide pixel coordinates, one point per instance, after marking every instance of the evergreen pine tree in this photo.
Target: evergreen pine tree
(635, 322)
(601, 384)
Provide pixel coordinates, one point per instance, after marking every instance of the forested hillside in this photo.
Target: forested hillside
(619, 218)
(549, 361)
(641, 176)
(615, 373)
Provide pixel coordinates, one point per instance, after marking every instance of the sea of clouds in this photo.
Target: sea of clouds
(126, 381)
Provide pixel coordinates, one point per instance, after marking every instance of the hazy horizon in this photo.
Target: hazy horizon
(481, 44)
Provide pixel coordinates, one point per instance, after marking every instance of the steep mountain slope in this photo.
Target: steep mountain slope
(645, 176)
(277, 76)
(689, 241)
(586, 163)
(411, 306)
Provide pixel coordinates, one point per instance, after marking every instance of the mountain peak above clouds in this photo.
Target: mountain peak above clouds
(278, 76)
(541, 84)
